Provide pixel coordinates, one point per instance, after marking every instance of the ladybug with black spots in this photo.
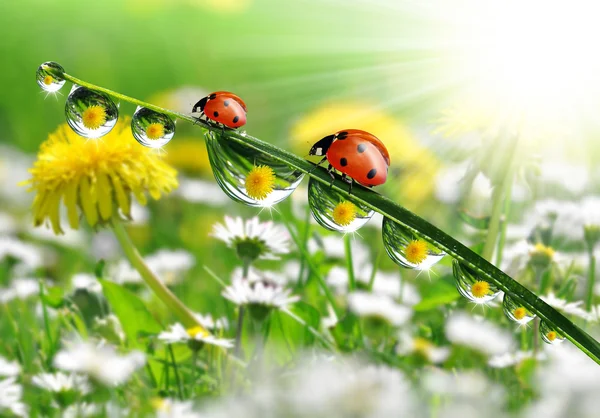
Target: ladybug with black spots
(222, 107)
(358, 155)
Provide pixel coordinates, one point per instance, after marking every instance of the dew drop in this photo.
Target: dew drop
(550, 335)
(515, 311)
(471, 285)
(48, 81)
(407, 248)
(152, 129)
(89, 113)
(333, 211)
(232, 164)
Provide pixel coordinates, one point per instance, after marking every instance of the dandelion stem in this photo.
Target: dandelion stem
(394, 212)
(348, 248)
(162, 292)
(591, 279)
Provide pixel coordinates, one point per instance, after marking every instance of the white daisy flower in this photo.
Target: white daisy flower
(171, 408)
(407, 344)
(84, 409)
(30, 257)
(9, 368)
(479, 334)
(502, 361)
(571, 308)
(253, 239)
(87, 282)
(378, 306)
(61, 382)
(259, 293)
(208, 322)
(168, 265)
(10, 397)
(101, 363)
(178, 334)
(19, 289)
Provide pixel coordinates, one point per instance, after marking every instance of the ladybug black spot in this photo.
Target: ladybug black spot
(236, 119)
(343, 162)
(226, 103)
(371, 173)
(216, 114)
(212, 96)
(361, 148)
(342, 135)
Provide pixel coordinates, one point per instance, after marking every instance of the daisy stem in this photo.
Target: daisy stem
(176, 370)
(591, 279)
(348, 248)
(399, 214)
(160, 290)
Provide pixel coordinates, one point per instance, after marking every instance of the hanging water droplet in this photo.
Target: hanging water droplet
(471, 286)
(249, 176)
(333, 211)
(515, 311)
(550, 335)
(47, 81)
(407, 248)
(152, 129)
(89, 113)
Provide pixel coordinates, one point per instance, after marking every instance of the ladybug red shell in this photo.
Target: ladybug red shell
(223, 107)
(356, 154)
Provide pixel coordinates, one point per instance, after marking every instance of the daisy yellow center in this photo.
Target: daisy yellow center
(159, 404)
(344, 213)
(260, 182)
(416, 251)
(551, 335)
(48, 80)
(480, 289)
(421, 345)
(155, 131)
(194, 331)
(94, 117)
(520, 313)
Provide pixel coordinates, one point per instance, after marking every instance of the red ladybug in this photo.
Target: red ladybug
(356, 154)
(223, 107)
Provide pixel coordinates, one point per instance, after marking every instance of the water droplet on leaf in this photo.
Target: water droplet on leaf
(550, 335)
(515, 311)
(89, 113)
(407, 248)
(471, 285)
(333, 211)
(249, 176)
(152, 129)
(48, 81)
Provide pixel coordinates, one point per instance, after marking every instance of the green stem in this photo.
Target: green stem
(160, 290)
(591, 279)
(176, 370)
(394, 212)
(240, 324)
(349, 264)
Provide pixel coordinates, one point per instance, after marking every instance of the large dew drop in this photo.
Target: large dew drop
(89, 113)
(333, 211)
(550, 335)
(48, 81)
(407, 248)
(152, 129)
(515, 311)
(471, 286)
(249, 176)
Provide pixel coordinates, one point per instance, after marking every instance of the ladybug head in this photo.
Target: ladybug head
(321, 147)
(200, 105)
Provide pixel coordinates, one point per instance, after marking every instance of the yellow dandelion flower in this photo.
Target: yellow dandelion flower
(480, 289)
(96, 176)
(416, 251)
(551, 335)
(94, 117)
(48, 80)
(260, 182)
(520, 313)
(155, 131)
(344, 213)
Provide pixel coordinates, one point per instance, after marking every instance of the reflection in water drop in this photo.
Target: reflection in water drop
(332, 211)
(471, 286)
(49, 82)
(89, 113)
(249, 176)
(407, 248)
(152, 129)
(515, 311)
(549, 334)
